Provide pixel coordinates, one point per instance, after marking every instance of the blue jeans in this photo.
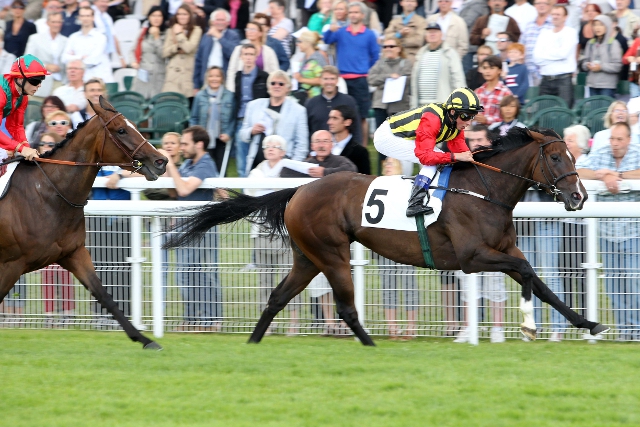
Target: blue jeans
(199, 281)
(242, 150)
(542, 250)
(606, 92)
(621, 267)
(634, 90)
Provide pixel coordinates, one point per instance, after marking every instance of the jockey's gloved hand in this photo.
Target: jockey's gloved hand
(29, 153)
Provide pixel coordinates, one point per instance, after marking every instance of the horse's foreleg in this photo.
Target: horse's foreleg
(80, 265)
(298, 278)
(489, 259)
(542, 291)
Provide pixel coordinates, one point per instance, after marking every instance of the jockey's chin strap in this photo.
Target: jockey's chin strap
(135, 164)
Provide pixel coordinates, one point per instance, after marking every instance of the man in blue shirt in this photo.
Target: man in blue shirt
(357, 50)
(197, 265)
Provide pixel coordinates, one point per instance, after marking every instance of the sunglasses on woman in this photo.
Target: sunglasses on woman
(48, 144)
(59, 122)
(278, 83)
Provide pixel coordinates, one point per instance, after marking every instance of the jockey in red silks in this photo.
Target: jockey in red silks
(26, 76)
(412, 135)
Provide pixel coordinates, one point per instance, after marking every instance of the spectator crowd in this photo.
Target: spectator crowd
(269, 80)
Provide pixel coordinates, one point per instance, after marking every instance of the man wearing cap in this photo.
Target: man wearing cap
(24, 79)
(454, 29)
(437, 70)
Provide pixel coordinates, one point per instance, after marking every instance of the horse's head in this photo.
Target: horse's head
(556, 169)
(122, 143)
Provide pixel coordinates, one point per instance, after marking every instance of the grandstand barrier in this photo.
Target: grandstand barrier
(154, 301)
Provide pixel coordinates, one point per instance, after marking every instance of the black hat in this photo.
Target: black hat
(433, 26)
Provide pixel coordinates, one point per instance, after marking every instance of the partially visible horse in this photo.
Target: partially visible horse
(471, 234)
(57, 186)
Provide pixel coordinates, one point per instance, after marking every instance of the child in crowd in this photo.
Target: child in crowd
(492, 91)
(517, 77)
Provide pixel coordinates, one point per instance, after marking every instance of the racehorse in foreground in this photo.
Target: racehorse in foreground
(57, 186)
(472, 234)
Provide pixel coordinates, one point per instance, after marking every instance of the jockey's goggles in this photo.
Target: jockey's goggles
(35, 81)
(467, 116)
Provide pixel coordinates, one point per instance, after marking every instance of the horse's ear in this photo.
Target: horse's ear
(105, 104)
(536, 136)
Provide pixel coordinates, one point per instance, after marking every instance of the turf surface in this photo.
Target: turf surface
(64, 378)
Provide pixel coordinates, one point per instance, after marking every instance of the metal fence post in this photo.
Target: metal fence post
(592, 265)
(358, 262)
(136, 259)
(472, 307)
(156, 278)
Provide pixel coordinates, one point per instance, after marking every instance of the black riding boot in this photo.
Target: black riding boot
(417, 202)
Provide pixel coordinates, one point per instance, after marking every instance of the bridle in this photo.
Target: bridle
(550, 185)
(552, 181)
(135, 164)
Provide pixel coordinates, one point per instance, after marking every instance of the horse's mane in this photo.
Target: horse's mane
(515, 138)
(64, 141)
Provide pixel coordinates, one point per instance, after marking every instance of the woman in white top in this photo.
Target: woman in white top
(271, 254)
(617, 113)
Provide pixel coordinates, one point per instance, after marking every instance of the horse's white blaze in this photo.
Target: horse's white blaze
(526, 307)
(573, 159)
(134, 128)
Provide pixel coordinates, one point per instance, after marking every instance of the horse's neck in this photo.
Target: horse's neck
(510, 189)
(82, 148)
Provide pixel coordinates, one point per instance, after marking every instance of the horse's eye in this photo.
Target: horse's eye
(555, 157)
(121, 131)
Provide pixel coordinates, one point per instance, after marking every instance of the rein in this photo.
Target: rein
(548, 186)
(135, 164)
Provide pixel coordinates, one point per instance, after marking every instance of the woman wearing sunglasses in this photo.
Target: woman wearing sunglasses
(27, 73)
(59, 123)
(412, 135)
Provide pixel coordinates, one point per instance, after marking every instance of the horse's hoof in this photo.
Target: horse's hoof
(599, 329)
(153, 346)
(528, 332)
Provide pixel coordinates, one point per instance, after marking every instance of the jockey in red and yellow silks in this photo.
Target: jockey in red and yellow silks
(412, 136)
(24, 79)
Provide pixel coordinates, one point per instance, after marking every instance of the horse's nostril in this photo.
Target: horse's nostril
(160, 162)
(576, 196)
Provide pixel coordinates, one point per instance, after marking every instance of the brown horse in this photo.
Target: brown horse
(471, 234)
(57, 186)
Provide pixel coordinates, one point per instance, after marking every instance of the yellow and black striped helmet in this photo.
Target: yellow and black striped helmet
(464, 99)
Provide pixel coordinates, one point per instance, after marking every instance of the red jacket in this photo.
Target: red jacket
(15, 120)
(429, 129)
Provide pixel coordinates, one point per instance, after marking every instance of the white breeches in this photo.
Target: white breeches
(399, 148)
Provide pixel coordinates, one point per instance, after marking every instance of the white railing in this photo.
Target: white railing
(155, 210)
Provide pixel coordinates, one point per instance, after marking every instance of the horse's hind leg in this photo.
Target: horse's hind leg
(339, 276)
(298, 278)
(79, 263)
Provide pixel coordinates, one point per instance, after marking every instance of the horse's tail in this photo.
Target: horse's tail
(267, 211)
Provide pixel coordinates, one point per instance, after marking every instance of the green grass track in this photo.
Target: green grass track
(76, 378)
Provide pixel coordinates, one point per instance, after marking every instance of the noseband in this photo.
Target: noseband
(135, 164)
(549, 185)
